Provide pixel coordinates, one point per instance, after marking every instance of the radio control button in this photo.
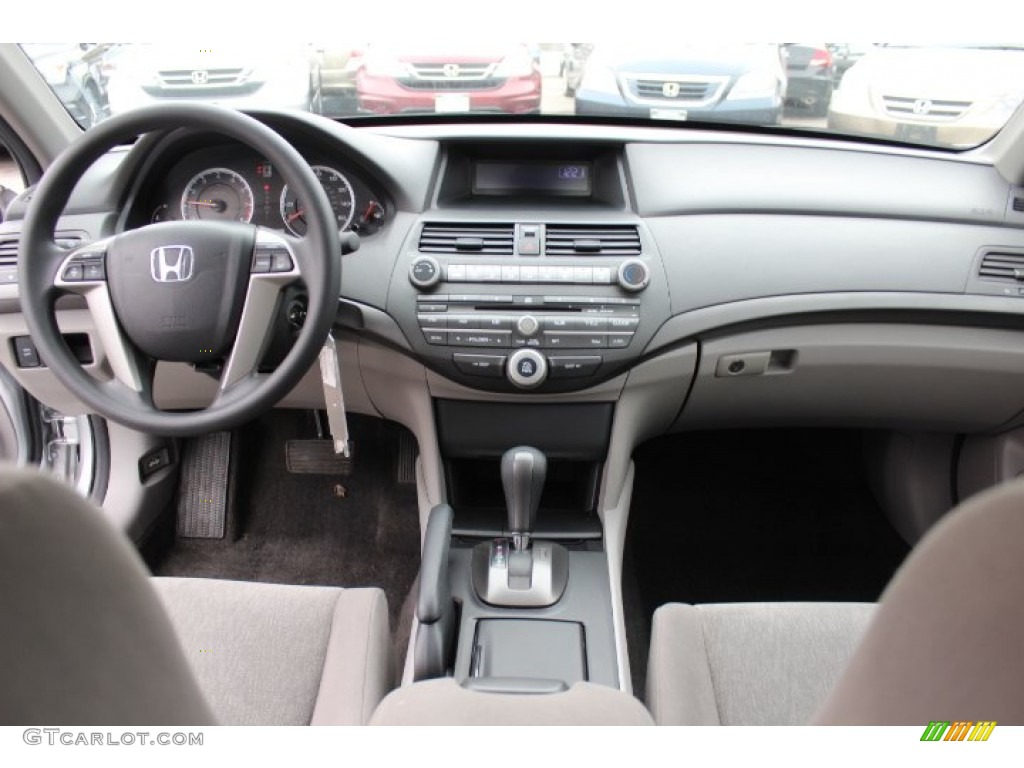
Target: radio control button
(456, 273)
(432, 321)
(527, 325)
(436, 337)
(491, 366)
(574, 367)
(509, 274)
(529, 274)
(634, 275)
(602, 276)
(583, 275)
(527, 368)
(425, 272)
(619, 340)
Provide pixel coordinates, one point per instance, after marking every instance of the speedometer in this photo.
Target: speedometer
(339, 192)
(219, 194)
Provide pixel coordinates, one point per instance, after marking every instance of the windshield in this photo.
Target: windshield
(950, 96)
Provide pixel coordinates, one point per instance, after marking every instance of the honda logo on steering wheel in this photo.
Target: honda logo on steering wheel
(172, 263)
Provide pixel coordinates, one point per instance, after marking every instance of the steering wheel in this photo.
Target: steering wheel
(188, 291)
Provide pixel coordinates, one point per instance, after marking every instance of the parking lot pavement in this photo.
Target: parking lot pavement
(553, 100)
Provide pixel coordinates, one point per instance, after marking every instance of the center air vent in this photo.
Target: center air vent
(999, 265)
(595, 240)
(484, 239)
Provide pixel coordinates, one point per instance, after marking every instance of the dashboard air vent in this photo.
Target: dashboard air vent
(998, 265)
(8, 250)
(468, 239)
(596, 240)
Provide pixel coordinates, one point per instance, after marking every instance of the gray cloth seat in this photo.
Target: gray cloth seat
(944, 641)
(88, 638)
(748, 663)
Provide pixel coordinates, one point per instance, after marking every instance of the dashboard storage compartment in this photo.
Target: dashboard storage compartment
(875, 375)
(529, 649)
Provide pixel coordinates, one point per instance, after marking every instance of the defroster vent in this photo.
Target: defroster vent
(595, 240)
(483, 239)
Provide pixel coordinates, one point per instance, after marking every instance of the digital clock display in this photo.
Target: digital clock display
(570, 179)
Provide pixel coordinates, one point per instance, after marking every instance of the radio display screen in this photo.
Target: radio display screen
(569, 179)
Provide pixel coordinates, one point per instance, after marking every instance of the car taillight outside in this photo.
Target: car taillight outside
(821, 59)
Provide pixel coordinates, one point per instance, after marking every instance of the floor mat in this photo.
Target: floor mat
(361, 529)
(737, 516)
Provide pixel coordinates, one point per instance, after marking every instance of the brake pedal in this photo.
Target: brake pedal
(315, 457)
(203, 493)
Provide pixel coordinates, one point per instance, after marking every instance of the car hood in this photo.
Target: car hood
(951, 73)
(182, 57)
(689, 59)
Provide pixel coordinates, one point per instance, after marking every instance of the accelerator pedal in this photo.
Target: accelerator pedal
(203, 493)
(315, 457)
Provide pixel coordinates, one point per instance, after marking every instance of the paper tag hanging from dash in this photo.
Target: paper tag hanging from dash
(330, 375)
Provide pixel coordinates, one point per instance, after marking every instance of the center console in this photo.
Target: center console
(514, 612)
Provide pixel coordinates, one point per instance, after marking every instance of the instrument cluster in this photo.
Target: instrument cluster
(233, 184)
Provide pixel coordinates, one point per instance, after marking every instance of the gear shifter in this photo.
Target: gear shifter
(523, 471)
(534, 573)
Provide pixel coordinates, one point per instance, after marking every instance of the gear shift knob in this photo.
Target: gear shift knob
(523, 470)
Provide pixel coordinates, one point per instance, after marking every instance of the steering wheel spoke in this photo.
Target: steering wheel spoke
(83, 272)
(275, 264)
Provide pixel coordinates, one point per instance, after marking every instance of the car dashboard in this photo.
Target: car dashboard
(550, 261)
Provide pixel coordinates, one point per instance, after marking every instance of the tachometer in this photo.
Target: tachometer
(219, 194)
(339, 192)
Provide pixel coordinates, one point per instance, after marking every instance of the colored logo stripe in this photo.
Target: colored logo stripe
(943, 730)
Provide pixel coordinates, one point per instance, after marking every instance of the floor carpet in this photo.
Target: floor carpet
(737, 516)
(361, 529)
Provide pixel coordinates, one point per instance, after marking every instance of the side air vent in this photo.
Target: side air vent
(1003, 266)
(483, 239)
(9, 253)
(8, 250)
(1018, 204)
(596, 240)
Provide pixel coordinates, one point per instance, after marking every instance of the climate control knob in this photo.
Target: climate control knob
(634, 275)
(425, 272)
(527, 368)
(527, 325)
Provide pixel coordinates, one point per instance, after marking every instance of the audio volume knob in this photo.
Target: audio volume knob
(425, 272)
(527, 368)
(634, 275)
(527, 325)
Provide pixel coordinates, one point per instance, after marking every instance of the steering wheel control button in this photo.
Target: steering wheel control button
(425, 272)
(491, 366)
(527, 368)
(634, 275)
(73, 273)
(88, 267)
(280, 261)
(261, 262)
(574, 367)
